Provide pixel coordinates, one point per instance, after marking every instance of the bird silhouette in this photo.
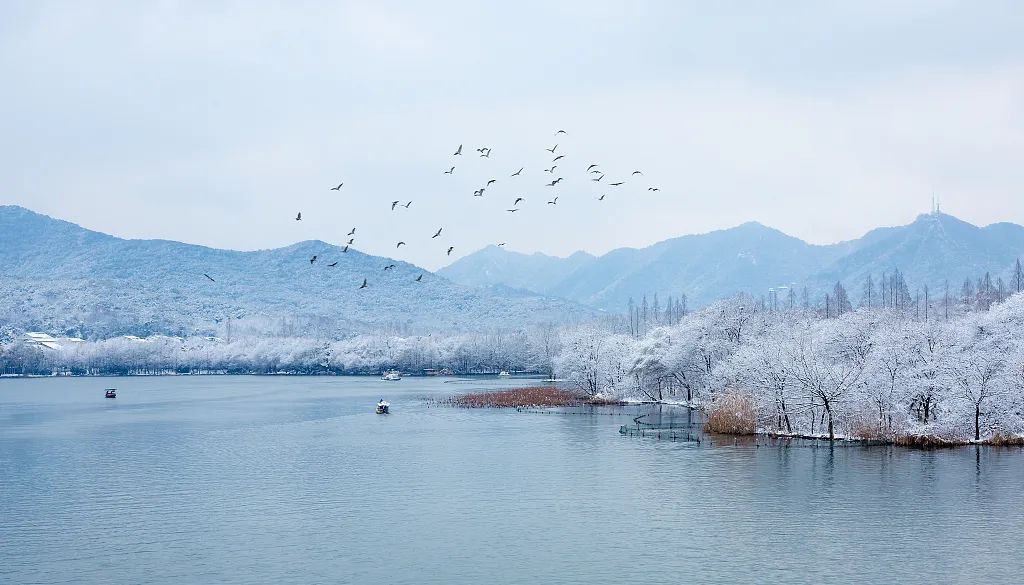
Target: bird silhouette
(491, 181)
(210, 277)
(598, 179)
(345, 249)
(551, 184)
(518, 199)
(501, 244)
(419, 278)
(389, 267)
(552, 169)
(393, 204)
(407, 205)
(364, 284)
(478, 193)
(350, 241)
(516, 174)
(459, 151)
(558, 180)
(590, 167)
(450, 248)
(513, 210)
(552, 149)
(601, 198)
(597, 172)
(351, 232)
(487, 154)
(399, 244)
(338, 188)
(450, 171)
(560, 132)
(557, 157)
(333, 264)
(437, 234)
(313, 259)
(553, 201)
(637, 173)
(653, 189)
(298, 217)
(616, 184)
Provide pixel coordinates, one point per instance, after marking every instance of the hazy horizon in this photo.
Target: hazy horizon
(215, 125)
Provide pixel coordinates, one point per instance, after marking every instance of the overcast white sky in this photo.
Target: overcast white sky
(216, 122)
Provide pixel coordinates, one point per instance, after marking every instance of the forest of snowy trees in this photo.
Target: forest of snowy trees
(901, 365)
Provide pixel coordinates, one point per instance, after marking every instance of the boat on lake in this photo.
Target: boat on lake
(111, 393)
(503, 374)
(392, 376)
(383, 406)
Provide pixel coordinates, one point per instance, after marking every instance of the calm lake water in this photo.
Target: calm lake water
(296, 480)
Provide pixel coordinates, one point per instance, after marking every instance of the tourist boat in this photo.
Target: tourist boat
(503, 374)
(391, 376)
(111, 393)
(382, 406)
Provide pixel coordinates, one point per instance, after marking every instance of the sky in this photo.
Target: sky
(217, 122)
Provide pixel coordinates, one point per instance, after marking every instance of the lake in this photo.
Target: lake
(295, 480)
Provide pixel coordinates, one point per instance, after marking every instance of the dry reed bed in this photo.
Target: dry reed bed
(537, 396)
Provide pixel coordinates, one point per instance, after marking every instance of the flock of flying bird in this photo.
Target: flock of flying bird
(593, 171)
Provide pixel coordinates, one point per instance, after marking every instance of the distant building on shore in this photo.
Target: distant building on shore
(47, 341)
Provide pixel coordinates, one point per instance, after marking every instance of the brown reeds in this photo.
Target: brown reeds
(733, 413)
(537, 396)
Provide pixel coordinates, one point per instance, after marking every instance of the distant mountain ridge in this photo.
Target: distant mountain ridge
(62, 278)
(752, 258)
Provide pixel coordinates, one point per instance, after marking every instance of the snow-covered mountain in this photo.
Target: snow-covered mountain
(62, 278)
(752, 258)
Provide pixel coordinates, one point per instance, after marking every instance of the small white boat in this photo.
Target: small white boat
(383, 406)
(503, 374)
(391, 376)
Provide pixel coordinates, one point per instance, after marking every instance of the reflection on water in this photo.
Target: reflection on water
(296, 480)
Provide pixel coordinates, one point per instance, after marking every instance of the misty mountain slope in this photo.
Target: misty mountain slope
(706, 267)
(932, 249)
(63, 278)
(494, 265)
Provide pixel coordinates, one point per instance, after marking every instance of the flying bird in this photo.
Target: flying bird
(518, 199)
(557, 157)
(491, 181)
(553, 201)
(393, 204)
(516, 174)
(552, 149)
(560, 132)
(389, 267)
(450, 171)
(478, 193)
(637, 173)
(558, 180)
(399, 244)
(351, 232)
(616, 184)
(210, 277)
(487, 154)
(298, 217)
(313, 259)
(513, 210)
(333, 264)
(419, 278)
(552, 169)
(551, 184)
(437, 234)
(364, 284)
(338, 188)
(601, 198)
(597, 172)
(344, 250)
(590, 167)
(653, 189)
(459, 151)
(407, 205)
(598, 179)
(501, 244)
(450, 248)
(350, 242)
